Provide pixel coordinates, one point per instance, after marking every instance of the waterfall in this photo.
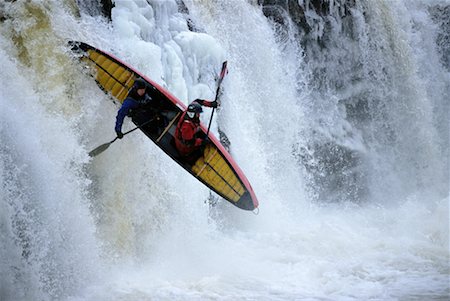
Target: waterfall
(336, 111)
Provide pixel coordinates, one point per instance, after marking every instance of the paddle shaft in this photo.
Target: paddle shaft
(100, 149)
(221, 76)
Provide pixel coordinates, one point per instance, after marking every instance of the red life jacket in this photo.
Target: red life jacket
(185, 138)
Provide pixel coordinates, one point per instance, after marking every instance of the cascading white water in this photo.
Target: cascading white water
(364, 111)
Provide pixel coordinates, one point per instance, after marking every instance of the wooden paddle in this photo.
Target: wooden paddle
(100, 149)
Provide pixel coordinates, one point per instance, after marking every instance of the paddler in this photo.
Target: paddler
(188, 136)
(136, 100)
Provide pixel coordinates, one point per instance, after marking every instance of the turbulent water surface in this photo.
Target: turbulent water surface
(337, 112)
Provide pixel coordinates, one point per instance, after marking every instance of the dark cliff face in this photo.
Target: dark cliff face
(333, 170)
(277, 10)
(441, 15)
(350, 55)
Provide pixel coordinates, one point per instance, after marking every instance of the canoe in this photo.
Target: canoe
(212, 164)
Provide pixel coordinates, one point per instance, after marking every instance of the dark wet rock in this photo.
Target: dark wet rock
(3, 14)
(334, 172)
(106, 7)
(441, 15)
(183, 9)
(96, 7)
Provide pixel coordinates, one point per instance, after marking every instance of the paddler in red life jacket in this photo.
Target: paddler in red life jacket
(136, 100)
(188, 135)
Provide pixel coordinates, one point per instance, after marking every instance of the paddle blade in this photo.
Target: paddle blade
(223, 71)
(100, 149)
(222, 74)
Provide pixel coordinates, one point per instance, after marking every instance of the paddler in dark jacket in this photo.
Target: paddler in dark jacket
(136, 100)
(188, 135)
